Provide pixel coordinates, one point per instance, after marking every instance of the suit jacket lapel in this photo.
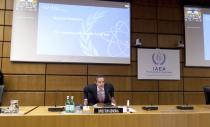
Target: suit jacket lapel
(106, 93)
(95, 91)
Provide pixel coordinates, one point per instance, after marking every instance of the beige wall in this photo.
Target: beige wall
(159, 23)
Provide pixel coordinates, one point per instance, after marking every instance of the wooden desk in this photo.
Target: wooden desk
(166, 116)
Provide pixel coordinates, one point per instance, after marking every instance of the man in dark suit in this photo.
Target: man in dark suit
(99, 92)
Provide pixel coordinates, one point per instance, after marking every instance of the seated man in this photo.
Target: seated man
(99, 92)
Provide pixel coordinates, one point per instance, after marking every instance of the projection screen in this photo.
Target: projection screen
(197, 36)
(80, 31)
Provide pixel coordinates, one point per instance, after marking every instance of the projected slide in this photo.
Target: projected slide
(83, 31)
(78, 31)
(206, 29)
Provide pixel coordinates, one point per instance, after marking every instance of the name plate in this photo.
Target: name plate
(108, 110)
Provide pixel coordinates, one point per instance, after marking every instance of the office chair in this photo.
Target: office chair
(207, 94)
(1, 93)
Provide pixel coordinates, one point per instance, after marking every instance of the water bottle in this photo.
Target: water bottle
(72, 105)
(67, 104)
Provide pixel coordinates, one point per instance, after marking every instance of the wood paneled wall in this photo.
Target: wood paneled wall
(159, 23)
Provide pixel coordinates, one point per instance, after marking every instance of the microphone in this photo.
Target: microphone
(185, 107)
(150, 107)
(56, 108)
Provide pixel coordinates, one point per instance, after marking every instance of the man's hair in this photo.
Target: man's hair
(99, 76)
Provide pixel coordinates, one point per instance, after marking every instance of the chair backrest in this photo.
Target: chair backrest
(1, 93)
(207, 94)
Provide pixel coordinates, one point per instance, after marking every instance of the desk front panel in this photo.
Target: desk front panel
(166, 116)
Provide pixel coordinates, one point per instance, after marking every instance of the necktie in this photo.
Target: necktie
(101, 95)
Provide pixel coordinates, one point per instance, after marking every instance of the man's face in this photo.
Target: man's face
(100, 82)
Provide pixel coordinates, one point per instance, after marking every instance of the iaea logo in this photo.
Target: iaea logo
(158, 58)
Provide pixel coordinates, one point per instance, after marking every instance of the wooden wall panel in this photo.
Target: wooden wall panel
(24, 82)
(109, 70)
(134, 69)
(1, 62)
(22, 68)
(170, 27)
(181, 69)
(168, 3)
(25, 98)
(196, 84)
(51, 97)
(149, 26)
(145, 2)
(194, 98)
(67, 69)
(168, 13)
(7, 33)
(196, 72)
(119, 83)
(167, 98)
(169, 41)
(143, 12)
(1, 17)
(65, 83)
(133, 54)
(1, 45)
(2, 4)
(171, 85)
(6, 49)
(144, 85)
(157, 23)
(122, 97)
(8, 18)
(58, 98)
(145, 98)
(9, 4)
(147, 40)
(182, 57)
(1, 33)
